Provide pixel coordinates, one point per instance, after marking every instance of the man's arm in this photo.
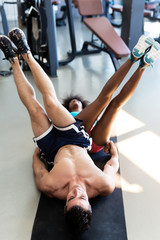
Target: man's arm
(113, 164)
(39, 170)
(110, 169)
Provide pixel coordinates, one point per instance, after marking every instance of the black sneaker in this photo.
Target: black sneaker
(7, 48)
(19, 39)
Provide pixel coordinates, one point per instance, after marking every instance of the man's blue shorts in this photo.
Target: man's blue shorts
(56, 137)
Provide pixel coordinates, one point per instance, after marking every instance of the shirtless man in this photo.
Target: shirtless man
(65, 140)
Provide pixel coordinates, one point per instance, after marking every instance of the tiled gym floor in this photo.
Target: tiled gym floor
(138, 132)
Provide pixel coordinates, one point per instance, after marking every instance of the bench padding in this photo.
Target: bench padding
(103, 29)
(117, 8)
(89, 7)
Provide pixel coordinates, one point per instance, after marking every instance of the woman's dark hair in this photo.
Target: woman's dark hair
(68, 99)
(78, 219)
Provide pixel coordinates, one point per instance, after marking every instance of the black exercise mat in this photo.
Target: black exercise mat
(108, 221)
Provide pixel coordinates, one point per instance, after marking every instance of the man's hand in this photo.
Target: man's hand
(39, 170)
(110, 147)
(36, 156)
(38, 165)
(36, 153)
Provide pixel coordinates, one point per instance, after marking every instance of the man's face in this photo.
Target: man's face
(77, 196)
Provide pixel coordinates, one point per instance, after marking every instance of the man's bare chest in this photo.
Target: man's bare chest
(62, 176)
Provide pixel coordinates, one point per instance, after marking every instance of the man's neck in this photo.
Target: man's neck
(75, 183)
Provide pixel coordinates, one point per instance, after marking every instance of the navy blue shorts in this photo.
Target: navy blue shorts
(56, 137)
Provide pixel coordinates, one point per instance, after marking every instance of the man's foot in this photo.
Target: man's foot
(143, 44)
(7, 49)
(19, 39)
(151, 56)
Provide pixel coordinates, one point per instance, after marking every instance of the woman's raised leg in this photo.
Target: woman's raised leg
(102, 131)
(90, 114)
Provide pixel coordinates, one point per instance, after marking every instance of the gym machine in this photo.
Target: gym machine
(109, 4)
(41, 35)
(4, 20)
(5, 24)
(5, 32)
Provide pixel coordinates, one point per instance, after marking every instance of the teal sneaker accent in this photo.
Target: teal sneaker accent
(143, 45)
(151, 56)
(148, 60)
(156, 46)
(136, 53)
(150, 41)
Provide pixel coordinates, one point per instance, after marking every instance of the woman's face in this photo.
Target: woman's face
(75, 105)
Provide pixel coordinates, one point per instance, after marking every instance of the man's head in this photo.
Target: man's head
(78, 210)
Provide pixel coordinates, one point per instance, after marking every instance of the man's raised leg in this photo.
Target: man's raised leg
(39, 119)
(55, 111)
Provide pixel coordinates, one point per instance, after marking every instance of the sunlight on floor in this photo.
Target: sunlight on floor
(126, 186)
(126, 123)
(143, 151)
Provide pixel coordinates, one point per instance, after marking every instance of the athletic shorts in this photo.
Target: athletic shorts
(95, 148)
(56, 137)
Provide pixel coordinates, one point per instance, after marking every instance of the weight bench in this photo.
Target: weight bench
(149, 9)
(61, 20)
(112, 43)
(117, 8)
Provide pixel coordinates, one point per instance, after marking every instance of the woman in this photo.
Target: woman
(75, 104)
